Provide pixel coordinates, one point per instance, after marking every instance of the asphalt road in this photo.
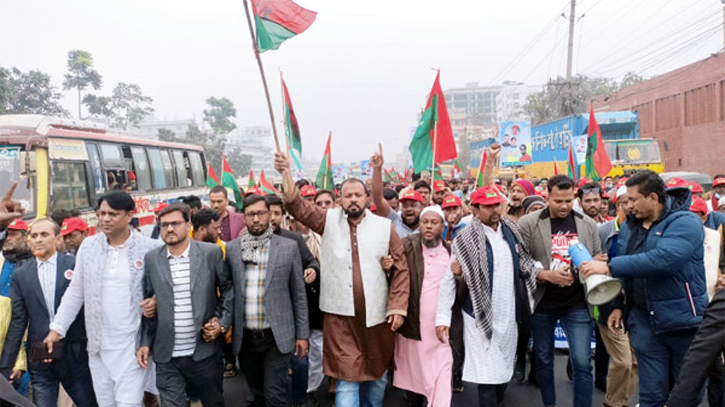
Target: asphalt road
(517, 394)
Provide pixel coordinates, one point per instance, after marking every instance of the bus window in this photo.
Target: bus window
(197, 169)
(141, 169)
(168, 168)
(180, 168)
(69, 186)
(13, 168)
(157, 168)
(99, 181)
(111, 153)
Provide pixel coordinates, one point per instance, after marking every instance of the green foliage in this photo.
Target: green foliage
(125, 108)
(240, 163)
(29, 93)
(219, 115)
(81, 74)
(560, 98)
(166, 135)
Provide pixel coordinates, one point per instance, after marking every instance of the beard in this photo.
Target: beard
(354, 214)
(431, 243)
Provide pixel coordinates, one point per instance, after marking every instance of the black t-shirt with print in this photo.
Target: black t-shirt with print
(563, 299)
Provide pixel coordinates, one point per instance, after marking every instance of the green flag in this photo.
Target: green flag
(230, 181)
(324, 174)
(421, 147)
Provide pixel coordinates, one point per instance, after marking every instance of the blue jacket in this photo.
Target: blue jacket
(672, 264)
(714, 220)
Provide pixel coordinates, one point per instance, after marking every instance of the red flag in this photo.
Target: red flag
(267, 186)
(556, 168)
(598, 164)
(571, 164)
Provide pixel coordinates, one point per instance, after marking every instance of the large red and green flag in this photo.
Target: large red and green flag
(571, 164)
(279, 20)
(267, 186)
(252, 181)
(324, 174)
(230, 181)
(481, 169)
(597, 164)
(434, 124)
(386, 175)
(291, 126)
(211, 179)
(438, 175)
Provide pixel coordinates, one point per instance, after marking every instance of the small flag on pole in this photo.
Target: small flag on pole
(230, 181)
(267, 186)
(279, 20)
(481, 169)
(211, 179)
(252, 182)
(324, 174)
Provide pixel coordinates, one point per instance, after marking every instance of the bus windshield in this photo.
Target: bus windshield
(633, 151)
(11, 171)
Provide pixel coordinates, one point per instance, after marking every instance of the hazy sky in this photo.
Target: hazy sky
(363, 69)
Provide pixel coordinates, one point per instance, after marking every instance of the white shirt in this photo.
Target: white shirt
(495, 364)
(47, 272)
(184, 332)
(121, 319)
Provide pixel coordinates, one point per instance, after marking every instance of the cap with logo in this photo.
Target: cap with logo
(308, 190)
(677, 183)
(451, 201)
(18, 224)
(439, 185)
(70, 225)
(411, 195)
(160, 207)
(487, 196)
(254, 191)
(718, 182)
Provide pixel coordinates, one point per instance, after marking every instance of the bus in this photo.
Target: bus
(67, 164)
(630, 156)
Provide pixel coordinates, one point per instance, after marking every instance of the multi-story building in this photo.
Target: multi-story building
(511, 101)
(472, 104)
(257, 142)
(149, 127)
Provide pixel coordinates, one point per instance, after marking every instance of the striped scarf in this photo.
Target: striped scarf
(469, 247)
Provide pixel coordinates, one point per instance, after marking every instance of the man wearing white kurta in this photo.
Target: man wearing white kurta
(500, 280)
(108, 282)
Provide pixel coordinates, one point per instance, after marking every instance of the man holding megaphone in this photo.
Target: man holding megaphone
(561, 295)
(660, 258)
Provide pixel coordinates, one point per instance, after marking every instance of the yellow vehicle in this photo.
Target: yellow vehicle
(630, 156)
(67, 164)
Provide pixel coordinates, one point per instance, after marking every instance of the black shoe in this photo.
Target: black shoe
(520, 370)
(532, 378)
(457, 385)
(601, 385)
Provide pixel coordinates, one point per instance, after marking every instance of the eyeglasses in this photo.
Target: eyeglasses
(595, 190)
(252, 215)
(174, 224)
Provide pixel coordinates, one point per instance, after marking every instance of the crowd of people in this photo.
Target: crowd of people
(421, 285)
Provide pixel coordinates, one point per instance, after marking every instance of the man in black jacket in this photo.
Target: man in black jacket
(311, 268)
(705, 349)
(36, 292)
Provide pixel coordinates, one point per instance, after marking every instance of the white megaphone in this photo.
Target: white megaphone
(601, 289)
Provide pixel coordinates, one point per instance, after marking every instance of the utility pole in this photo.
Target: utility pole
(570, 53)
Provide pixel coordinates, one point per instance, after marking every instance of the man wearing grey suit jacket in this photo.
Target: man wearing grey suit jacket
(270, 307)
(185, 276)
(560, 294)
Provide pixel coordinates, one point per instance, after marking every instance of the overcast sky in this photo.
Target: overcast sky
(363, 69)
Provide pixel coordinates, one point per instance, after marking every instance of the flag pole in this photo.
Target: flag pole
(264, 78)
(435, 147)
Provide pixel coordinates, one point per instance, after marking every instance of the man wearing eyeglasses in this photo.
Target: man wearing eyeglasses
(184, 276)
(270, 307)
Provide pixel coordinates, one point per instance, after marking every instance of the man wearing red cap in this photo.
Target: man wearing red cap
(73, 231)
(411, 202)
(561, 292)
(440, 190)
(491, 259)
(453, 208)
(718, 189)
